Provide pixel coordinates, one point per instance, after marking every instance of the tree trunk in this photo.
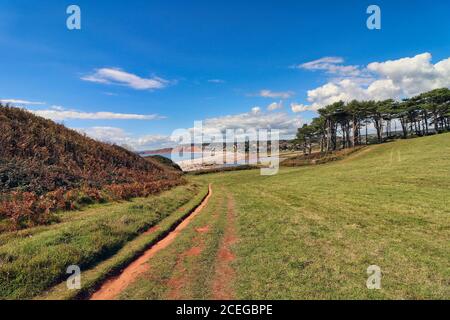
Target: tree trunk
(436, 122)
(404, 127)
(322, 142)
(335, 137)
(355, 133)
(367, 133)
(359, 133)
(388, 125)
(379, 128)
(348, 134)
(329, 133)
(344, 136)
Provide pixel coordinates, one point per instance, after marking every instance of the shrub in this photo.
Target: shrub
(45, 167)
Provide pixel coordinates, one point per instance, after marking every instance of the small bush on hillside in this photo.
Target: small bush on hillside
(165, 161)
(319, 158)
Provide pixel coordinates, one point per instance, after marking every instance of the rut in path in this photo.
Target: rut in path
(223, 283)
(181, 280)
(112, 288)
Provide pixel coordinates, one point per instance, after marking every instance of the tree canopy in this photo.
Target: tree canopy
(340, 124)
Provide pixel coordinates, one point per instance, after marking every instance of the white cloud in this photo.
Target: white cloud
(256, 110)
(21, 102)
(121, 137)
(217, 81)
(394, 79)
(154, 142)
(244, 122)
(411, 76)
(58, 108)
(275, 106)
(272, 94)
(298, 107)
(320, 63)
(287, 124)
(107, 134)
(58, 113)
(332, 65)
(120, 77)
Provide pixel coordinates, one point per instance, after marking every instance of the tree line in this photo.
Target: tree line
(346, 125)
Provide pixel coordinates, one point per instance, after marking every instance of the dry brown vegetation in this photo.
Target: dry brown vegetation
(316, 158)
(45, 167)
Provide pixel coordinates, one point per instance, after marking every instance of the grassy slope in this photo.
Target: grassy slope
(34, 259)
(39, 156)
(46, 167)
(311, 233)
(186, 268)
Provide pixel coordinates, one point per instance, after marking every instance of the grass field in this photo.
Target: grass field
(312, 232)
(187, 269)
(100, 239)
(306, 233)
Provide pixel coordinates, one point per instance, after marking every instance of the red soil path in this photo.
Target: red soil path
(112, 288)
(222, 288)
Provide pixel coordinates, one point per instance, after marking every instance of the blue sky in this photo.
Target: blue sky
(161, 65)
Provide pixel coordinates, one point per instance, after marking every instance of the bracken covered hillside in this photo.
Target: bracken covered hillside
(45, 167)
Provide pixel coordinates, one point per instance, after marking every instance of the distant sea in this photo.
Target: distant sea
(177, 158)
(196, 155)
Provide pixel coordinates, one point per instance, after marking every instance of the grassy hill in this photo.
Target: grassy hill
(312, 232)
(306, 233)
(100, 239)
(165, 161)
(45, 167)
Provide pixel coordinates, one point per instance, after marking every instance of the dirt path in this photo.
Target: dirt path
(112, 288)
(222, 288)
(180, 284)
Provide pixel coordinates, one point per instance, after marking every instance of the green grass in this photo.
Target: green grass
(33, 260)
(306, 233)
(177, 272)
(312, 232)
